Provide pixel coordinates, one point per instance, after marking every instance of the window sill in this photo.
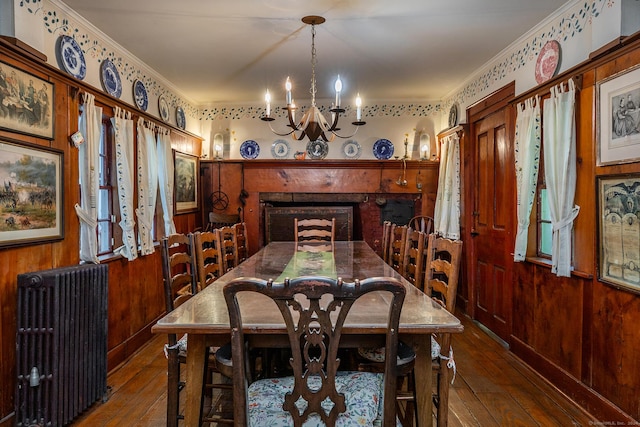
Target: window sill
(544, 262)
(113, 257)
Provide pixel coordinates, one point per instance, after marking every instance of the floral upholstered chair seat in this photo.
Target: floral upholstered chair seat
(362, 390)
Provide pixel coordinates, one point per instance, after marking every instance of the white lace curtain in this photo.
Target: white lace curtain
(527, 159)
(147, 184)
(123, 127)
(90, 127)
(447, 210)
(560, 172)
(165, 178)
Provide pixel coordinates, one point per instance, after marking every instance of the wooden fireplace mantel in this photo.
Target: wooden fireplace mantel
(378, 178)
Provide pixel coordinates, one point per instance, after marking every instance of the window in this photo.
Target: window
(545, 229)
(109, 235)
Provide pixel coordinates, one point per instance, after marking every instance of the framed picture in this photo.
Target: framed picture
(618, 118)
(186, 167)
(31, 208)
(26, 102)
(619, 230)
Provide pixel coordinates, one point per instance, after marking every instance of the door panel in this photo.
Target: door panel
(492, 219)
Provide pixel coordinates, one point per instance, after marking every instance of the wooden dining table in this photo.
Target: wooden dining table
(205, 318)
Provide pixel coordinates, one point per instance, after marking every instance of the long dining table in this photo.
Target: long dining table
(205, 318)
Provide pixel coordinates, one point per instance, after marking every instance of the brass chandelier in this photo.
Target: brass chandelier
(313, 125)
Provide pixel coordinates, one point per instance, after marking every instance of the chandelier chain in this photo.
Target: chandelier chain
(314, 61)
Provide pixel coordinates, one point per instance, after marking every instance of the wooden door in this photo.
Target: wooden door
(492, 222)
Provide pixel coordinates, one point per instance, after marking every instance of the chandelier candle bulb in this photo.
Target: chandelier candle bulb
(358, 108)
(267, 99)
(338, 87)
(287, 86)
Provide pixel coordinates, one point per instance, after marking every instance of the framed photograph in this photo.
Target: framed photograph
(31, 208)
(619, 230)
(26, 102)
(618, 118)
(186, 167)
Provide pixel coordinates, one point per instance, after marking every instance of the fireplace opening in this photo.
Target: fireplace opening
(358, 216)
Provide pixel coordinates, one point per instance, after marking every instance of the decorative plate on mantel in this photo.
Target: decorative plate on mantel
(548, 61)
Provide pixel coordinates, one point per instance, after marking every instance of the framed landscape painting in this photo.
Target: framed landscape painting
(31, 194)
(26, 102)
(186, 167)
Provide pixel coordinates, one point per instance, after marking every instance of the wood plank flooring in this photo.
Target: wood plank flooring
(491, 388)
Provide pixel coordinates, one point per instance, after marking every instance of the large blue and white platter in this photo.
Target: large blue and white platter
(110, 78)
(72, 57)
(140, 96)
(249, 149)
(383, 149)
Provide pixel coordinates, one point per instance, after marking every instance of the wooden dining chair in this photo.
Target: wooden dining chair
(228, 247)
(242, 247)
(443, 258)
(208, 257)
(317, 391)
(314, 230)
(413, 264)
(181, 277)
(397, 244)
(386, 238)
(180, 284)
(421, 223)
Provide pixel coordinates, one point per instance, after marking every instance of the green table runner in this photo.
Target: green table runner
(310, 264)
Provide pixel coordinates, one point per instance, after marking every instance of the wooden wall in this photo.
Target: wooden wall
(136, 298)
(579, 332)
(372, 179)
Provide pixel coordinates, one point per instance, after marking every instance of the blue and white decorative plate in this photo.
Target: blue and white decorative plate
(180, 118)
(140, 95)
(383, 149)
(72, 57)
(110, 78)
(249, 149)
(317, 150)
(351, 149)
(280, 149)
(163, 108)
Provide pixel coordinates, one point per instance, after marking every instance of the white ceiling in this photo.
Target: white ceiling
(231, 51)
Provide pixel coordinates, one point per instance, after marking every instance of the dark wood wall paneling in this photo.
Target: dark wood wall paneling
(578, 332)
(135, 288)
(374, 179)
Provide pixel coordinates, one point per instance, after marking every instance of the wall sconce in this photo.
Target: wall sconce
(425, 146)
(218, 146)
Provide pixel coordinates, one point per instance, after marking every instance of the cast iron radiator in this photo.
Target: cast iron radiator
(61, 343)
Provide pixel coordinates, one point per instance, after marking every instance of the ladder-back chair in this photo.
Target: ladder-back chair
(206, 247)
(314, 230)
(180, 284)
(386, 238)
(413, 264)
(397, 244)
(228, 247)
(422, 223)
(442, 266)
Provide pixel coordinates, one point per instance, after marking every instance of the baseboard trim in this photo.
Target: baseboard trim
(585, 397)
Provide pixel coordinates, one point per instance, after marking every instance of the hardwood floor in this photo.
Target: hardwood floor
(491, 388)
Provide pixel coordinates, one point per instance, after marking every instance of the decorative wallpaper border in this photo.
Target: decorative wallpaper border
(57, 21)
(562, 28)
(384, 110)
